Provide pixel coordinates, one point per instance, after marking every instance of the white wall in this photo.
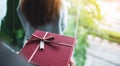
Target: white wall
(2, 9)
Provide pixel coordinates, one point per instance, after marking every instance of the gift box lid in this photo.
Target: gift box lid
(57, 49)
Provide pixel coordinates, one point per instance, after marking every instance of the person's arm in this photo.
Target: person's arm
(63, 18)
(21, 16)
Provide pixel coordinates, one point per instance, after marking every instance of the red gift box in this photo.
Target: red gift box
(48, 49)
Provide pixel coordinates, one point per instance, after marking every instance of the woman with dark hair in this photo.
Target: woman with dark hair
(45, 15)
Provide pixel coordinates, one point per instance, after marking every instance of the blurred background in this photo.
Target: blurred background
(94, 23)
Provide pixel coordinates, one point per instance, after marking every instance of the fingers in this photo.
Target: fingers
(72, 62)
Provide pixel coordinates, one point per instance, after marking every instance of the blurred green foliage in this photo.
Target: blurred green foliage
(11, 28)
(83, 15)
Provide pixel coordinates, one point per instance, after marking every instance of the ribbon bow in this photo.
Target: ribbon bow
(42, 40)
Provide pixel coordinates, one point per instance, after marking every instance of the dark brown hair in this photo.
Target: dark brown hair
(40, 12)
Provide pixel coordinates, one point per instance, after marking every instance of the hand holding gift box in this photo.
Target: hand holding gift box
(48, 49)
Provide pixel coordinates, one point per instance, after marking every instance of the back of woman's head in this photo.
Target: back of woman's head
(40, 12)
